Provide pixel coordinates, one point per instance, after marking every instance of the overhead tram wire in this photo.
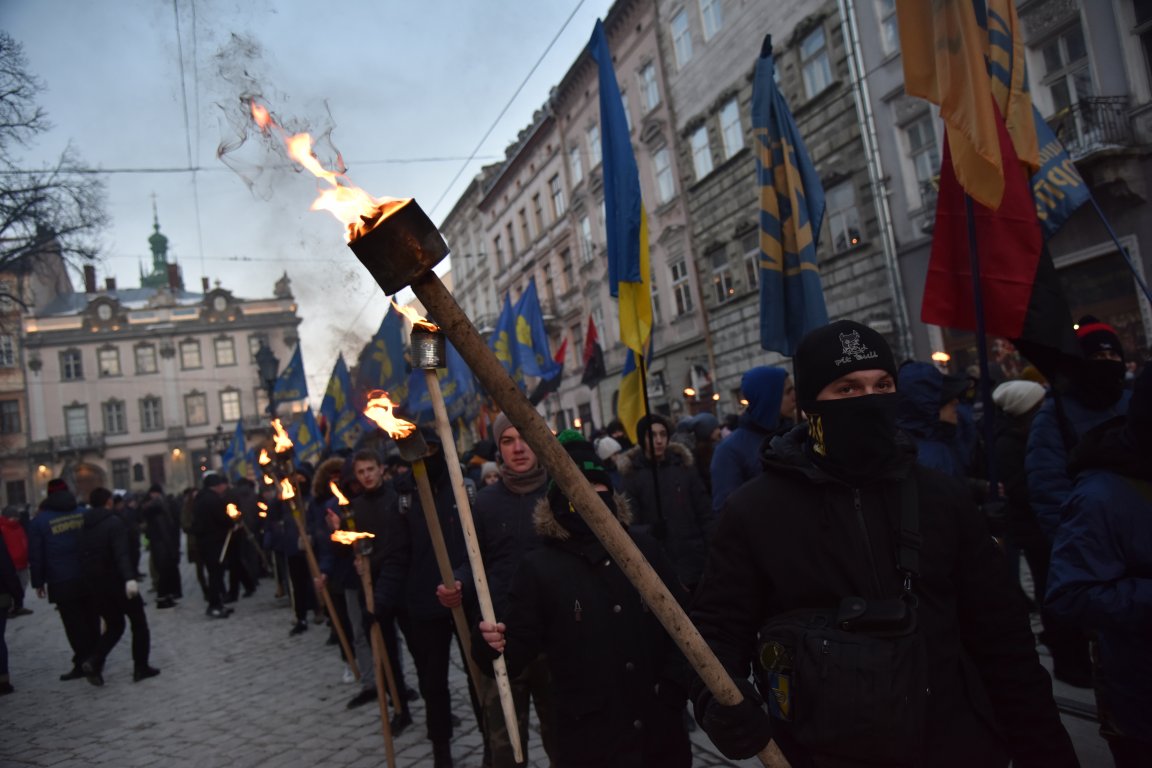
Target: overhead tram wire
(187, 123)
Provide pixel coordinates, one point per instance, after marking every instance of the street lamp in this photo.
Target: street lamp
(269, 367)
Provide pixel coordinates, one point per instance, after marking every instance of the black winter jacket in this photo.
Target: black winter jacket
(618, 681)
(797, 538)
(685, 506)
(104, 554)
(211, 522)
(163, 535)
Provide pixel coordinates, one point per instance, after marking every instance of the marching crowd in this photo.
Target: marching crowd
(849, 547)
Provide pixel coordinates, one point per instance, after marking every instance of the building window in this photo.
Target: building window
(146, 358)
(889, 29)
(593, 136)
(649, 88)
(196, 409)
(16, 491)
(557, 193)
(260, 397)
(665, 183)
(225, 349)
(1066, 72)
(108, 361)
(510, 233)
(656, 316)
(76, 421)
(711, 14)
(538, 212)
(151, 414)
(587, 247)
(121, 474)
(525, 230)
(115, 417)
(750, 245)
(603, 331)
(7, 351)
(701, 152)
(254, 343)
(722, 284)
(498, 247)
(190, 354)
(71, 365)
(575, 165)
(843, 218)
(681, 38)
(681, 287)
(10, 417)
(230, 405)
(814, 63)
(731, 129)
(1143, 28)
(924, 156)
(566, 268)
(627, 112)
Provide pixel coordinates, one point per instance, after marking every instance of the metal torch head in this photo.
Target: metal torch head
(429, 348)
(401, 249)
(363, 546)
(413, 447)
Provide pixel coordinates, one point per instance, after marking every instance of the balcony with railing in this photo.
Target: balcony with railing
(87, 442)
(1093, 125)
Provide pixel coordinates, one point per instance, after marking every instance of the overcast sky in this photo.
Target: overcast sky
(145, 89)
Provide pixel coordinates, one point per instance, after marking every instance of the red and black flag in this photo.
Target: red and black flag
(593, 360)
(546, 387)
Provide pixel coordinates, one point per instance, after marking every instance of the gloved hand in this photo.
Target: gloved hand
(739, 731)
(131, 588)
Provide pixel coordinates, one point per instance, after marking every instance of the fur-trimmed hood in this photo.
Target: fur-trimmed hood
(329, 469)
(634, 459)
(548, 527)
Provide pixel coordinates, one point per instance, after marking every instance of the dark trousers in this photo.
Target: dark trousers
(210, 556)
(300, 581)
(167, 569)
(236, 560)
(81, 627)
(110, 608)
(3, 646)
(340, 607)
(429, 642)
(141, 636)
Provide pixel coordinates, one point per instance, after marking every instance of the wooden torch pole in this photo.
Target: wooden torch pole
(382, 666)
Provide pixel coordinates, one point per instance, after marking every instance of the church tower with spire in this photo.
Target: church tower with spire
(158, 243)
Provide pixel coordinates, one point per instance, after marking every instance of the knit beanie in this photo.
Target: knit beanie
(502, 423)
(644, 425)
(488, 468)
(1096, 337)
(607, 447)
(835, 350)
(1017, 398)
(57, 484)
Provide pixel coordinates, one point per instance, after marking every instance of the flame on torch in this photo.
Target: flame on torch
(233, 511)
(414, 317)
(283, 442)
(336, 492)
(350, 537)
(263, 508)
(287, 490)
(268, 480)
(264, 459)
(379, 409)
(355, 208)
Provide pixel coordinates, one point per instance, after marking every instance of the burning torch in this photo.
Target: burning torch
(413, 449)
(233, 513)
(283, 450)
(361, 542)
(399, 246)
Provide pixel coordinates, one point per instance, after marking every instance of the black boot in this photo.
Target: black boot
(441, 754)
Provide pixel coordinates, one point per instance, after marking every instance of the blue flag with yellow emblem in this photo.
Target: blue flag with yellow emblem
(291, 384)
(306, 439)
(791, 212)
(340, 421)
(503, 342)
(457, 385)
(233, 458)
(531, 337)
(381, 364)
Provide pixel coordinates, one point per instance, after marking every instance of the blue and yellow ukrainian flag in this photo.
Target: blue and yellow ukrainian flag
(791, 213)
(306, 440)
(291, 384)
(629, 273)
(234, 454)
(942, 47)
(531, 339)
(338, 416)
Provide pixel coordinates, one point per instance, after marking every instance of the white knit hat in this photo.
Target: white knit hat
(607, 447)
(1018, 397)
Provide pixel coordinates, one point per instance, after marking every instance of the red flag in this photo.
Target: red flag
(547, 386)
(594, 369)
(1008, 242)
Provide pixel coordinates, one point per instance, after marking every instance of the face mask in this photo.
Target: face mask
(1101, 383)
(854, 437)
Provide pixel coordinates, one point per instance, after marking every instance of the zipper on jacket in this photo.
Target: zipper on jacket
(858, 504)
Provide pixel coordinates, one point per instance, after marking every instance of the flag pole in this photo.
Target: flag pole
(982, 350)
(1123, 251)
(642, 368)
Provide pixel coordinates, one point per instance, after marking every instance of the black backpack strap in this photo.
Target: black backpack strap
(910, 541)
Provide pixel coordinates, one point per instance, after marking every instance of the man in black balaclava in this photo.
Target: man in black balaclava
(1096, 395)
(827, 521)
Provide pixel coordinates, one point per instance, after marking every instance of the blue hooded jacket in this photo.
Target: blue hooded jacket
(736, 459)
(921, 387)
